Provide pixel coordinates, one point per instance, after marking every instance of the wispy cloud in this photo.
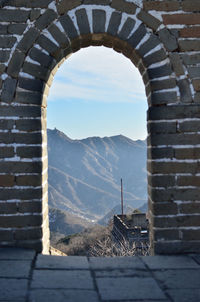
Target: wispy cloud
(101, 75)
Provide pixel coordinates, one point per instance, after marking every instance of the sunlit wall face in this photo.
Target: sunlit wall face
(97, 92)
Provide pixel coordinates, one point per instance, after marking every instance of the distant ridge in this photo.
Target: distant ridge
(84, 175)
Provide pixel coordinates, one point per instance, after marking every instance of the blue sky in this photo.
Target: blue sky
(98, 92)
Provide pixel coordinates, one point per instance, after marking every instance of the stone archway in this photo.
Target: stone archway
(62, 29)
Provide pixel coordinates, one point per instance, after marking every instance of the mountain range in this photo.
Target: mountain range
(84, 175)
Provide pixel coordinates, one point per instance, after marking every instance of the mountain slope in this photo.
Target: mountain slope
(84, 175)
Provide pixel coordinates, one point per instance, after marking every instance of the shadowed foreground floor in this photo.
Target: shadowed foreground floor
(25, 276)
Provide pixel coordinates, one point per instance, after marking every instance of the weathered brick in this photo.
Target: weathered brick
(29, 234)
(174, 112)
(176, 247)
(30, 207)
(188, 126)
(99, 20)
(151, 43)
(160, 98)
(163, 84)
(21, 167)
(168, 39)
(189, 45)
(162, 127)
(65, 5)
(188, 181)
(190, 234)
(45, 60)
(188, 19)
(173, 167)
(47, 44)
(28, 125)
(6, 152)
(6, 124)
(68, 26)
(16, 29)
(157, 153)
(196, 84)
(21, 138)
(31, 84)
(191, 6)
(197, 97)
(59, 36)
(161, 235)
(4, 56)
(8, 208)
(40, 72)
(174, 139)
(29, 3)
(82, 21)
(154, 57)
(179, 221)
(149, 20)
(97, 2)
(176, 64)
(185, 91)
(45, 19)
(28, 97)
(15, 64)
(7, 41)
(126, 28)
(2, 68)
(190, 208)
(6, 235)
(28, 39)
(164, 208)
(3, 29)
(194, 71)
(13, 15)
(22, 194)
(20, 221)
(114, 23)
(35, 13)
(191, 32)
(161, 181)
(7, 180)
(8, 90)
(159, 72)
(161, 6)
(29, 180)
(137, 36)
(29, 152)
(123, 6)
(186, 153)
(20, 111)
(183, 194)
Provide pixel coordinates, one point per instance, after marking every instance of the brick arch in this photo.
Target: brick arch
(173, 117)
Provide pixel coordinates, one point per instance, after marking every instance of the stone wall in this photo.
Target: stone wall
(162, 39)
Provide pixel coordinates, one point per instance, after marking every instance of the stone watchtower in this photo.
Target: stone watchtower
(162, 39)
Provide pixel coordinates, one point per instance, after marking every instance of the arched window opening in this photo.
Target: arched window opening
(96, 136)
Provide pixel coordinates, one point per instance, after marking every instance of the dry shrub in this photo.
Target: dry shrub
(98, 241)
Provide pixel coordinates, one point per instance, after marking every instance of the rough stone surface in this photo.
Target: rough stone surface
(56, 278)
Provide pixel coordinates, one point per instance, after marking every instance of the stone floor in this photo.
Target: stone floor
(27, 277)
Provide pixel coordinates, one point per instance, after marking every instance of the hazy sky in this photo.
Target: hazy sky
(98, 92)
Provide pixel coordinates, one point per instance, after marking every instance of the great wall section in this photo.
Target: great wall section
(162, 39)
